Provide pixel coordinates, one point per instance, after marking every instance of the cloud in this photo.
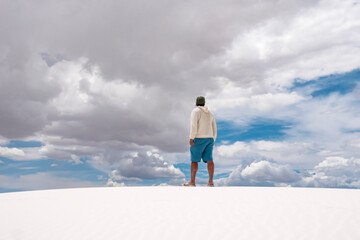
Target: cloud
(134, 166)
(266, 171)
(21, 154)
(117, 81)
(76, 159)
(233, 96)
(3, 141)
(332, 162)
(24, 93)
(145, 166)
(334, 172)
(111, 183)
(331, 171)
(113, 110)
(295, 153)
(65, 148)
(233, 149)
(11, 152)
(260, 173)
(305, 46)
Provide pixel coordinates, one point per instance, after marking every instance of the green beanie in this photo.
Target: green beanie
(200, 101)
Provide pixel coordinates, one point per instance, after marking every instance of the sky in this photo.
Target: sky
(99, 93)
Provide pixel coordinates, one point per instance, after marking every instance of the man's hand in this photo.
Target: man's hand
(191, 142)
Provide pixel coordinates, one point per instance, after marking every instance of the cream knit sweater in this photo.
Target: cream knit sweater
(202, 124)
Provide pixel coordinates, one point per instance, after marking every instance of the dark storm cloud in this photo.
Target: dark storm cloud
(137, 40)
(166, 50)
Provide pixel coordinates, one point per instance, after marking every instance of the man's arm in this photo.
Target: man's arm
(193, 126)
(214, 129)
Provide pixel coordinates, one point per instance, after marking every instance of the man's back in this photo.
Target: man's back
(202, 124)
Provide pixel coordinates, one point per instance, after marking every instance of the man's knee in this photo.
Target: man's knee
(194, 164)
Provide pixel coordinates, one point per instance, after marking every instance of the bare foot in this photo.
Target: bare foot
(210, 184)
(189, 184)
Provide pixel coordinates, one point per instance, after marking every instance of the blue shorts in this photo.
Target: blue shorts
(202, 149)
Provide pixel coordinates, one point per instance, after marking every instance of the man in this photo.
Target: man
(202, 138)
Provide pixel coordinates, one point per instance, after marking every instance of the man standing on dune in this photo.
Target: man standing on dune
(202, 138)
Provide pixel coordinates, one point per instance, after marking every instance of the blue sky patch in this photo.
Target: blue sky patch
(23, 144)
(326, 85)
(258, 129)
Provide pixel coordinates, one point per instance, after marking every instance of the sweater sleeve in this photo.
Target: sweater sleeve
(193, 124)
(214, 128)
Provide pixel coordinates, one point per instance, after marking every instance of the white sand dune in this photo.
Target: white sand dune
(181, 213)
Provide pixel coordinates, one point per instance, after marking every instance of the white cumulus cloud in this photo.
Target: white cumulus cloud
(266, 171)
(11, 152)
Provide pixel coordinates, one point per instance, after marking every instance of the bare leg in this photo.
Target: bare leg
(211, 168)
(194, 168)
